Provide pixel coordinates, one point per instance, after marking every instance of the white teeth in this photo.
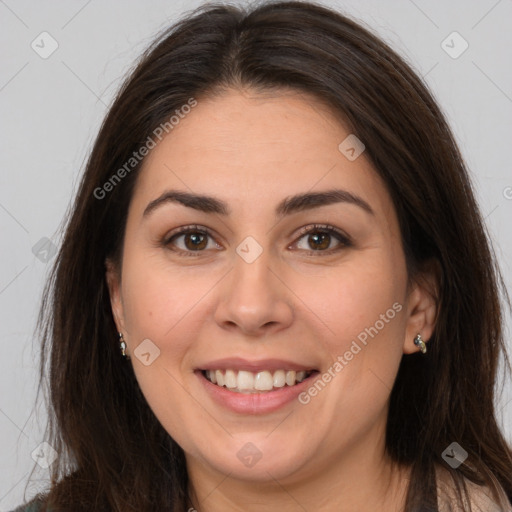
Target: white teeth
(290, 378)
(263, 381)
(301, 376)
(230, 379)
(244, 381)
(279, 379)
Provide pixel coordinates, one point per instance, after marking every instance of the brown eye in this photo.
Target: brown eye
(319, 239)
(195, 241)
(189, 240)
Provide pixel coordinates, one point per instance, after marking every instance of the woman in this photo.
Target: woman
(275, 290)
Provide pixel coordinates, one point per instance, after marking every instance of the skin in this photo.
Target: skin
(252, 150)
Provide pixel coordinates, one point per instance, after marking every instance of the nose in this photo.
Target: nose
(254, 298)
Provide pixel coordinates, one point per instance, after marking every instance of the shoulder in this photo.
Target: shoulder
(30, 507)
(481, 497)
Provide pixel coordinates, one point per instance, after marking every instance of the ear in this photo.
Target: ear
(422, 305)
(114, 287)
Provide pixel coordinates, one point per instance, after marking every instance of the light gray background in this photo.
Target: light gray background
(51, 110)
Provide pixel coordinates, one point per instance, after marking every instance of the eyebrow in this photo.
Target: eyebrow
(288, 206)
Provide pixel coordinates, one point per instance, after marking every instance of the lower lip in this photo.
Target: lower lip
(254, 403)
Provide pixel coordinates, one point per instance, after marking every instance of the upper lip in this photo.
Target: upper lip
(238, 363)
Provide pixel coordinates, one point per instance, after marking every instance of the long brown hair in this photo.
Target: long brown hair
(113, 452)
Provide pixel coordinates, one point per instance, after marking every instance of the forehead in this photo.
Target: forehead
(252, 149)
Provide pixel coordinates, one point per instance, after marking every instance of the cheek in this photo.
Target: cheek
(157, 299)
(166, 305)
(353, 298)
(158, 307)
(362, 306)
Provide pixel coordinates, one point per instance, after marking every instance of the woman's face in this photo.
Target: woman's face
(256, 295)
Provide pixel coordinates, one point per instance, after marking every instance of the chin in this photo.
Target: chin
(260, 459)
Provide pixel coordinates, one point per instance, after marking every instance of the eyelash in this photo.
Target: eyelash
(344, 240)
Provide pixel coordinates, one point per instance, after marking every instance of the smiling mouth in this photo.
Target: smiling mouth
(256, 382)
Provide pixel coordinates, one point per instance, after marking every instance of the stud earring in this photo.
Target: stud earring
(122, 346)
(418, 341)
